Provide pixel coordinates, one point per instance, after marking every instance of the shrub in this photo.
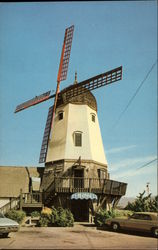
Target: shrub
(16, 215)
(45, 220)
(103, 214)
(70, 218)
(64, 218)
(54, 216)
(124, 213)
(35, 214)
(58, 217)
(46, 210)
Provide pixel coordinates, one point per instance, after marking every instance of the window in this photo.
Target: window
(141, 216)
(93, 117)
(78, 139)
(60, 115)
(146, 217)
(101, 174)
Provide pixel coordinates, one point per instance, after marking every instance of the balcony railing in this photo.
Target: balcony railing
(71, 185)
(94, 185)
(31, 199)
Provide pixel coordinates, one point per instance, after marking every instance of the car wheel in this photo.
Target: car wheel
(155, 232)
(5, 235)
(115, 226)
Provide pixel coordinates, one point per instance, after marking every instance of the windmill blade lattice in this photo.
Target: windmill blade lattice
(92, 83)
(62, 74)
(65, 55)
(45, 141)
(37, 99)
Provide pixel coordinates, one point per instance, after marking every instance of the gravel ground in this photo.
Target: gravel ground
(77, 237)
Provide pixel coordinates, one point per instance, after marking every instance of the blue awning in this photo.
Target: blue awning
(84, 195)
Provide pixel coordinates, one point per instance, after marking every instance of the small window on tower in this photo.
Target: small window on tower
(61, 115)
(78, 139)
(93, 117)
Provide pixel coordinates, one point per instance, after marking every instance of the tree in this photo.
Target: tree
(144, 203)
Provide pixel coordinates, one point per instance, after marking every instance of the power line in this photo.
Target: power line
(146, 164)
(136, 92)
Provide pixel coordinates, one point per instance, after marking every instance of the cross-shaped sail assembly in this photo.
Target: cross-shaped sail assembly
(69, 92)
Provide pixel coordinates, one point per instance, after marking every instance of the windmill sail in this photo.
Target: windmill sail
(63, 66)
(33, 101)
(65, 55)
(92, 83)
(44, 147)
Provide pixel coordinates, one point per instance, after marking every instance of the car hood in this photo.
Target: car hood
(8, 222)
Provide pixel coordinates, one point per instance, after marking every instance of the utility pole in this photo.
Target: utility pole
(147, 187)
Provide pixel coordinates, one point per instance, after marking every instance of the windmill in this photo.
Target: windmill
(75, 173)
(69, 92)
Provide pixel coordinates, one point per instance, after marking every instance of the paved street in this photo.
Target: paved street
(77, 237)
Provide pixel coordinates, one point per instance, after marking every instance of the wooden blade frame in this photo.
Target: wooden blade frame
(92, 83)
(33, 101)
(64, 62)
(44, 147)
(62, 75)
(65, 55)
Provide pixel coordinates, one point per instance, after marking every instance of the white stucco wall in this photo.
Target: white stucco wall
(76, 118)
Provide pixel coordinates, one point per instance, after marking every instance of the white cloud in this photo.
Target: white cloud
(120, 149)
(131, 162)
(136, 172)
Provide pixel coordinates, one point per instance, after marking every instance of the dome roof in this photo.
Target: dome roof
(86, 98)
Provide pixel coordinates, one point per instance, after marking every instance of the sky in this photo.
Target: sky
(107, 35)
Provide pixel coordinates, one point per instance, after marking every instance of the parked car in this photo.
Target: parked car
(7, 226)
(140, 221)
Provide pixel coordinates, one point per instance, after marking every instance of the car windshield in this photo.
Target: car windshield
(2, 216)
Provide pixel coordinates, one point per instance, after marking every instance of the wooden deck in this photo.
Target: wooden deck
(70, 185)
(93, 185)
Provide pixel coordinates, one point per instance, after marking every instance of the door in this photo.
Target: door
(80, 210)
(78, 178)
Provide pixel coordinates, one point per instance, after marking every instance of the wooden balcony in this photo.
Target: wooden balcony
(93, 185)
(70, 185)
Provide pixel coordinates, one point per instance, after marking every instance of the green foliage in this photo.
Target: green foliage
(45, 220)
(64, 218)
(69, 218)
(16, 215)
(54, 216)
(143, 204)
(59, 217)
(124, 213)
(103, 214)
(35, 214)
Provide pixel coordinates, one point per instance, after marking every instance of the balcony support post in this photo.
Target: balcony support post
(90, 184)
(21, 201)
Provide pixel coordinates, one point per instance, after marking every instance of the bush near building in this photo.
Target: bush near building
(16, 215)
(103, 214)
(35, 214)
(57, 217)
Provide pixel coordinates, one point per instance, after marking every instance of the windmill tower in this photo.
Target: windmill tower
(76, 173)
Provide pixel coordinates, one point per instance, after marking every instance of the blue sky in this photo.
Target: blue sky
(107, 35)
